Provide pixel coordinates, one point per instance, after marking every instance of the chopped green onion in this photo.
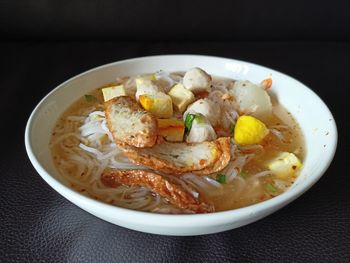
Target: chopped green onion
(270, 188)
(232, 129)
(90, 98)
(243, 174)
(221, 178)
(199, 118)
(188, 122)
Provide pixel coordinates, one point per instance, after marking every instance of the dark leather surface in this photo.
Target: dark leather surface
(180, 19)
(38, 225)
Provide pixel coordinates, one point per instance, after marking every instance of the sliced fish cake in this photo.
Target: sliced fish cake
(179, 158)
(129, 123)
(156, 183)
(224, 147)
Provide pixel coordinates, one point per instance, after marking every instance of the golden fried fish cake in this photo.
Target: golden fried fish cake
(178, 158)
(156, 183)
(129, 123)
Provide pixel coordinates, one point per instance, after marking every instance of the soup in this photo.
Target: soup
(181, 142)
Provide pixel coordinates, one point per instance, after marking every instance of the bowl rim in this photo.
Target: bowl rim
(215, 218)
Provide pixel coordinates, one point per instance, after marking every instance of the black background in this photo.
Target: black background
(45, 42)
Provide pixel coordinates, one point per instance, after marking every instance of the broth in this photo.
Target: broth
(251, 184)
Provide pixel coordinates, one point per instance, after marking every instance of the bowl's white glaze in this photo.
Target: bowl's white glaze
(314, 117)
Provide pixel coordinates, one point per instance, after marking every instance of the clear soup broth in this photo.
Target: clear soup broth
(83, 147)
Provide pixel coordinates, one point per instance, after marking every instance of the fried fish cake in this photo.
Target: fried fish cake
(156, 183)
(178, 158)
(129, 123)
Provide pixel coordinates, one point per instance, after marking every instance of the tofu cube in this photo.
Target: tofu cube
(158, 104)
(112, 92)
(171, 129)
(181, 97)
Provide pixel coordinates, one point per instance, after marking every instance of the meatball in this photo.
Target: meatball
(207, 108)
(197, 80)
(201, 130)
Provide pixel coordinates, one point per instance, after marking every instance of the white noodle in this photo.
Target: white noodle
(105, 128)
(153, 204)
(96, 113)
(97, 174)
(240, 179)
(200, 182)
(76, 118)
(66, 135)
(91, 128)
(253, 147)
(89, 149)
(162, 75)
(220, 86)
(281, 184)
(92, 150)
(182, 183)
(230, 172)
(279, 127)
(277, 133)
(261, 174)
(130, 83)
(108, 155)
(141, 192)
(213, 182)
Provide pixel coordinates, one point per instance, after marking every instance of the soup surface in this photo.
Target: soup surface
(262, 159)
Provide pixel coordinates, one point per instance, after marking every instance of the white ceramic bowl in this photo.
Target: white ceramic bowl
(314, 117)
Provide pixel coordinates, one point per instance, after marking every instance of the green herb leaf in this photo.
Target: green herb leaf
(270, 188)
(243, 174)
(221, 178)
(90, 98)
(188, 122)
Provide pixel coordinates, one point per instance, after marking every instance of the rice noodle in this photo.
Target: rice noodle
(176, 77)
(281, 184)
(231, 172)
(200, 181)
(279, 127)
(96, 113)
(212, 181)
(262, 174)
(250, 149)
(65, 136)
(86, 157)
(153, 204)
(88, 149)
(162, 75)
(239, 162)
(91, 128)
(229, 114)
(130, 83)
(171, 210)
(76, 118)
(277, 133)
(140, 192)
(240, 179)
(183, 184)
(216, 95)
(92, 150)
(220, 86)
